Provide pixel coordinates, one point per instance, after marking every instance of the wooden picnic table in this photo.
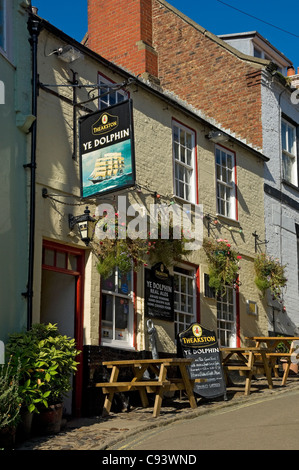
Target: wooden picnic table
(245, 360)
(271, 343)
(162, 383)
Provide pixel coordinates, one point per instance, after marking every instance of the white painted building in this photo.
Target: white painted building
(280, 123)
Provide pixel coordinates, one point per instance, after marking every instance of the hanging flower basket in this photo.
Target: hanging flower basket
(270, 274)
(133, 253)
(223, 264)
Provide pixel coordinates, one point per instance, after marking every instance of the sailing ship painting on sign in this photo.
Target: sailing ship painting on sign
(109, 166)
(107, 150)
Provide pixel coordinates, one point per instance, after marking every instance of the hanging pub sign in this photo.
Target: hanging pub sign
(159, 293)
(107, 161)
(201, 345)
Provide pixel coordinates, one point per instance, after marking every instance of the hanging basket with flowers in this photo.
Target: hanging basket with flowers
(129, 252)
(270, 274)
(223, 264)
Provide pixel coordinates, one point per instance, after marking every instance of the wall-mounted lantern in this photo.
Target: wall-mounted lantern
(85, 224)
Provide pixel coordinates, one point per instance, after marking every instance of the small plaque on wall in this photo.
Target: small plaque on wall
(251, 307)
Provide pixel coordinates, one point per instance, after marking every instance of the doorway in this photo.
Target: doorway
(62, 303)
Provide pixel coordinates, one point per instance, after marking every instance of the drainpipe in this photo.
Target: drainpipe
(34, 28)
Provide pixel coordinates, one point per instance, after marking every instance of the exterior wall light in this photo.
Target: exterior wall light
(217, 137)
(85, 223)
(68, 53)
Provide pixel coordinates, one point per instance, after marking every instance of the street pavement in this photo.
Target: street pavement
(212, 420)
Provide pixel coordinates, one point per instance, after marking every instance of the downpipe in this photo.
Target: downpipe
(34, 28)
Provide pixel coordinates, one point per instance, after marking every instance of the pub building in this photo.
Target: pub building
(110, 144)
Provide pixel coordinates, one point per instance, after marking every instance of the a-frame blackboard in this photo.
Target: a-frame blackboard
(200, 344)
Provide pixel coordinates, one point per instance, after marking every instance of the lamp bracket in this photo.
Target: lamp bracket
(257, 241)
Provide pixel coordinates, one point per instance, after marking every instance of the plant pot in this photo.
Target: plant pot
(48, 420)
(7, 437)
(25, 425)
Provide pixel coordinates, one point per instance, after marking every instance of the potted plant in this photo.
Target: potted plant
(223, 264)
(270, 274)
(10, 404)
(47, 362)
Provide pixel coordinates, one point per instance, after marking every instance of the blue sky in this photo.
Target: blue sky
(216, 16)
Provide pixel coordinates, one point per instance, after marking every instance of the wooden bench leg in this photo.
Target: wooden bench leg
(286, 373)
(267, 370)
(160, 392)
(188, 387)
(143, 398)
(109, 397)
(248, 382)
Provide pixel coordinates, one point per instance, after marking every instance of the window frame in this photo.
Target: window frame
(188, 317)
(3, 45)
(114, 342)
(230, 326)
(179, 164)
(118, 93)
(232, 213)
(287, 154)
(6, 47)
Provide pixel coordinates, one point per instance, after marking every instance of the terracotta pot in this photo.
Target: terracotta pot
(48, 420)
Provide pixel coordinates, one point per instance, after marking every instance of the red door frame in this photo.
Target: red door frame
(79, 308)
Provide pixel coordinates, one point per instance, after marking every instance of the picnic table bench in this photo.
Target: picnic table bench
(271, 344)
(245, 360)
(163, 382)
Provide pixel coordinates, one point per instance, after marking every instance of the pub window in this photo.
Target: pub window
(226, 318)
(184, 297)
(184, 162)
(225, 181)
(3, 24)
(108, 96)
(117, 310)
(289, 152)
(6, 28)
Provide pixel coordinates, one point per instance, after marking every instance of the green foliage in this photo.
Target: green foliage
(270, 274)
(135, 252)
(47, 361)
(223, 264)
(283, 348)
(10, 399)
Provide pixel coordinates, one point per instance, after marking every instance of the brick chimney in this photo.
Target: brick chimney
(121, 31)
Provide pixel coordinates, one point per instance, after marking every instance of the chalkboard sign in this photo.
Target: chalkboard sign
(159, 293)
(201, 345)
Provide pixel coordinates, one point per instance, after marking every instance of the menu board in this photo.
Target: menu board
(201, 345)
(159, 293)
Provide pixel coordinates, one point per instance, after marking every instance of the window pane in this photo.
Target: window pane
(107, 309)
(72, 262)
(2, 25)
(284, 135)
(290, 140)
(49, 257)
(109, 283)
(121, 313)
(61, 260)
